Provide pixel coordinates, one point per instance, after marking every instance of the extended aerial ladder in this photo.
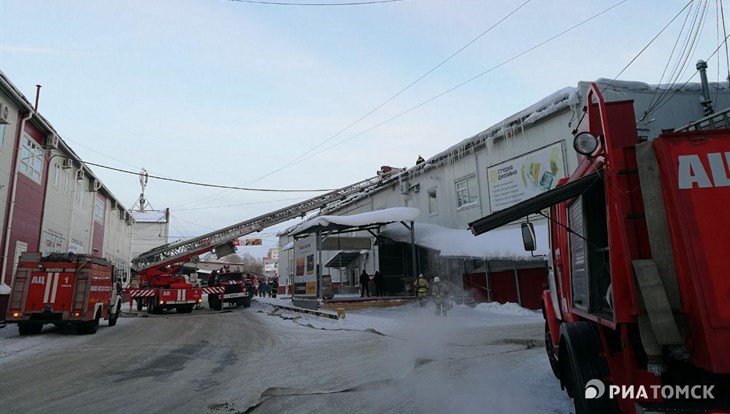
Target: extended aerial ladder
(162, 258)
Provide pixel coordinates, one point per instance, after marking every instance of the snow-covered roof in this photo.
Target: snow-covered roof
(502, 243)
(388, 215)
(151, 216)
(568, 97)
(564, 98)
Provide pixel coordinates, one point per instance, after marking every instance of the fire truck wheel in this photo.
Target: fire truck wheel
(550, 350)
(247, 302)
(579, 363)
(140, 305)
(214, 302)
(153, 307)
(113, 318)
(90, 327)
(29, 328)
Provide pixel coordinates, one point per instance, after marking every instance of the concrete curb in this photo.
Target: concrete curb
(309, 311)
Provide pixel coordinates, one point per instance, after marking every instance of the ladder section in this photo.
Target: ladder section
(720, 120)
(175, 252)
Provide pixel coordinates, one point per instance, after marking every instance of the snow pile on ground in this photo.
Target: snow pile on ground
(507, 308)
(390, 321)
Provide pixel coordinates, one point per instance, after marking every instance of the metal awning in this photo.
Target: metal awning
(342, 259)
(533, 205)
(362, 221)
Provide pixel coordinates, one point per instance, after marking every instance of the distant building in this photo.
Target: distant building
(151, 229)
(271, 263)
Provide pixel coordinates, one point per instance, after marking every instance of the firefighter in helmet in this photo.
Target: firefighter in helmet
(440, 293)
(421, 289)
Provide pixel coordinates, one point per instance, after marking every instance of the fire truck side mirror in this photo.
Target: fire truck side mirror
(528, 237)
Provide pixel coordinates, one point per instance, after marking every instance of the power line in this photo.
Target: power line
(649, 44)
(398, 93)
(724, 32)
(100, 153)
(724, 42)
(466, 81)
(238, 204)
(272, 190)
(637, 56)
(357, 121)
(286, 3)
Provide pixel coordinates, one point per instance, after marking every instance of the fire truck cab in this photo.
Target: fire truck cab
(64, 289)
(637, 317)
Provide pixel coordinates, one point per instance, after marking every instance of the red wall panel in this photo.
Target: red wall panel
(476, 285)
(25, 225)
(503, 286)
(532, 283)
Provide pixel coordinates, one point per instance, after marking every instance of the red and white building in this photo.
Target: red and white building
(49, 200)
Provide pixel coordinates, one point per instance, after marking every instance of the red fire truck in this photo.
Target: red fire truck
(637, 318)
(159, 290)
(64, 290)
(159, 283)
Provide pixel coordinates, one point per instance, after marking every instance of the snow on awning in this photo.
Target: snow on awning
(504, 243)
(371, 218)
(287, 246)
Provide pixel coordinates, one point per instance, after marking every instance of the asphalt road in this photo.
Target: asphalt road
(249, 361)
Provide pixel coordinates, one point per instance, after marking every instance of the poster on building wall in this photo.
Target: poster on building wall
(76, 247)
(526, 176)
(305, 277)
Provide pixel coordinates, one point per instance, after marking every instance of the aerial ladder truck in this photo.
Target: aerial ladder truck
(158, 279)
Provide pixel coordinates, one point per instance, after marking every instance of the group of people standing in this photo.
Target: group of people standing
(365, 284)
(438, 291)
(264, 288)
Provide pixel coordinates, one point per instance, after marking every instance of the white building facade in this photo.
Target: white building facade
(515, 159)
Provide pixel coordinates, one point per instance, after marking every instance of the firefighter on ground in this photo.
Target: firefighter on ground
(274, 287)
(440, 293)
(421, 288)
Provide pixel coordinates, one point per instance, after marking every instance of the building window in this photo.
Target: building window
(80, 196)
(433, 207)
(54, 242)
(56, 173)
(66, 178)
(76, 246)
(2, 135)
(31, 159)
(99, 211)
(467, 192)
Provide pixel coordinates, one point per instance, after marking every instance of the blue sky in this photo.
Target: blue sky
(226, 92)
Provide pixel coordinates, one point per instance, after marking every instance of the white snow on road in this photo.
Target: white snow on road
(486, 359)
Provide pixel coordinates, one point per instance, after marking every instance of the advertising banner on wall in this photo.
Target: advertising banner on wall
(526, 176)
(305, 277)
